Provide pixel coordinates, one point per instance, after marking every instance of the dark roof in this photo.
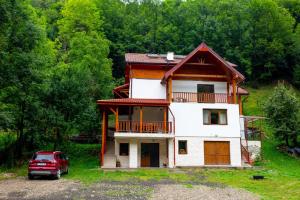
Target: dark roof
(150, 58)
(134, 101)
(203, 47)
(156, 59)
(240, 91)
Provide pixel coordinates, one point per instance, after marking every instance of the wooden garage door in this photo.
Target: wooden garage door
(216, 153)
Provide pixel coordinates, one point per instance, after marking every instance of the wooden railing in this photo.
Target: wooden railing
(145, 127)
(246, 155)
(201, 97)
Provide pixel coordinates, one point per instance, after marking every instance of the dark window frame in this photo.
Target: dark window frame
(126, 152)
(205, 87)
(214, 111)
(186, 147)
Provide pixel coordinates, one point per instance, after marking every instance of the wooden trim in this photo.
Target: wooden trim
(209, 116)
(234, 90)
(112, 110)
(228, 93)
(141, 119)
(200, 64)
(117, 119)
(200, 75)
(240, 104)
(170, 89)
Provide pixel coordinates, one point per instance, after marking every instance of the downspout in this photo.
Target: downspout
(174, 135)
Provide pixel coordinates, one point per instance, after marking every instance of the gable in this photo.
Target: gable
(204, 62)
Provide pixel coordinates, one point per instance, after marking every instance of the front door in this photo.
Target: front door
(150, 155)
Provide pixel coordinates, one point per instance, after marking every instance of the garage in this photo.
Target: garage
(217, 153)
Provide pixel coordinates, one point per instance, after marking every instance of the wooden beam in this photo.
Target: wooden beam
(170, 89)
(165, 120)
(234, 90)
(112, 110)
(200, 64)
(240, 104)
(117, 119)
(141, 119)
(228, 93)
(103, 138)
(200, 75)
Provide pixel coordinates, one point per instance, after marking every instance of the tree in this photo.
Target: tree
(24, 54)
(282, 110)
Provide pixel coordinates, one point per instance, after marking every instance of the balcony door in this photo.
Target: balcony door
(205, 93)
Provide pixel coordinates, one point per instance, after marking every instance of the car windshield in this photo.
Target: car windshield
(43, 157)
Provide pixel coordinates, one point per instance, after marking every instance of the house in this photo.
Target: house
(175, 111)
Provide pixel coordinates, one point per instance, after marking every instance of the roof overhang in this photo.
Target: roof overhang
(133, 102)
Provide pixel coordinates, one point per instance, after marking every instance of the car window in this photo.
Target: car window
(42, 157)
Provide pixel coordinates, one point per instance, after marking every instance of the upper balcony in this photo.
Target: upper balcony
(184, 97)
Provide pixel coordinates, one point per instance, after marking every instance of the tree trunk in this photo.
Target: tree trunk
(287, 141)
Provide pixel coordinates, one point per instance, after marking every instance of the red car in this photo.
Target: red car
(48, 163)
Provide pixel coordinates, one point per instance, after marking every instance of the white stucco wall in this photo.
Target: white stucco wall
(189, 120)
(195, 151)
(133, 153)
(134, 158)
(191, 86)
(147, 89)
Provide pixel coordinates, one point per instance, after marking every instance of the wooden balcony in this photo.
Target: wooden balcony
(145, 127)
(202, 97)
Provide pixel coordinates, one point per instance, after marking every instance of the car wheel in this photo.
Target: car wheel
(30, 177)
(58, 173)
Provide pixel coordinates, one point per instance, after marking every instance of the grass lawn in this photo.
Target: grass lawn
(282, 172)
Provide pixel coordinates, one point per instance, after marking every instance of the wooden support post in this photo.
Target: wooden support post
(228, 93)
(170, 89)
(165, 120)
(117, 119)
(103, 137)
(141, 119)
(240, 104)
(234, 90)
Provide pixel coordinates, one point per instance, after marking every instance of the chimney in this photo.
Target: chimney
(170, 56)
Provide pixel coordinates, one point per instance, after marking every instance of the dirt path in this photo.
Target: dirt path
(21, 188)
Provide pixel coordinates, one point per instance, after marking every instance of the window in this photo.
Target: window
(43, 157)
(182, 147)
(213, 116)
(124, 149)
(204, 88)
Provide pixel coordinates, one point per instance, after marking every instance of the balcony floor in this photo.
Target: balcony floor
(142, 135)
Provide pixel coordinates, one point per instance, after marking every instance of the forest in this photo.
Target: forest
(57, 57)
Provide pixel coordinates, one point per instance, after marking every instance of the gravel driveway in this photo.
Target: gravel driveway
(21, 188)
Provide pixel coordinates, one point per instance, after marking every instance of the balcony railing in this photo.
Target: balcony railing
(145, 127)
(202, 97)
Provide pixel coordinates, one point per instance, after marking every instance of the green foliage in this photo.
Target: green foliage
(282, 110)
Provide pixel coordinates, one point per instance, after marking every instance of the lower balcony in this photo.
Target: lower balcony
(163, 127)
